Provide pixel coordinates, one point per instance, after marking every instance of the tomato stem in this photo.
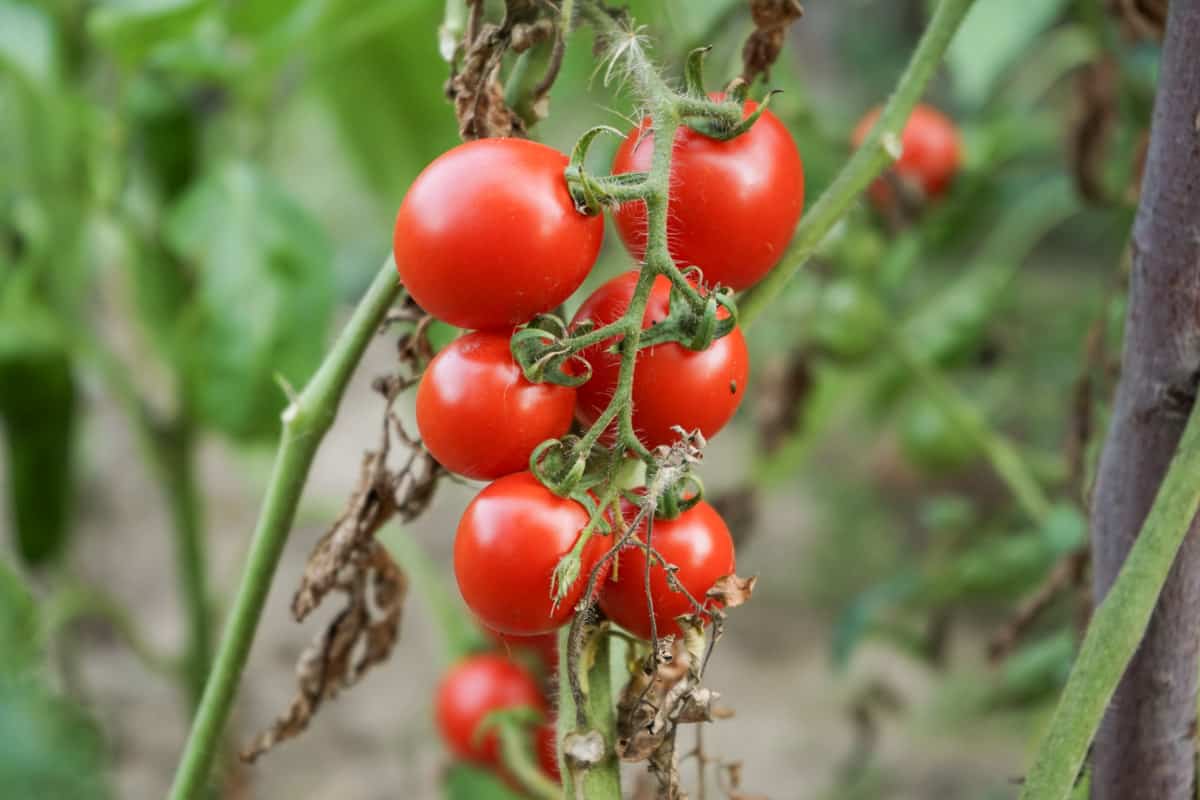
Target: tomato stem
(877, 152)
(305, 423)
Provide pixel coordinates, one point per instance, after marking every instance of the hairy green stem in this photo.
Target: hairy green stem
(602, 781)
(1117, 626)
(876, 153)
(305, 423)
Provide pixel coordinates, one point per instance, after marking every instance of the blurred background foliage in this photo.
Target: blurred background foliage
(190, 190)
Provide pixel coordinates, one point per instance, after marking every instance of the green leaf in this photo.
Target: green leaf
(255, 17)
(38, 411)
(468, 782)
(132, 28)
(20, 651)
(993, 36)
(27, 43)
(262, 302)
(392, 124)
(51, 749)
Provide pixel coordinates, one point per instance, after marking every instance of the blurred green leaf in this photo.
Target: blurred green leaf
(993, 36)
(52, 750)
(392, 123)
(255, 17)
(20, 650)
(131, 28)
(27, 44)
(263, 297)
(38, 412)
(468, 782)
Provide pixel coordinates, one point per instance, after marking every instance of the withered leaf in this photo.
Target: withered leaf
(772, 18)
(360, 636)
(732, 591)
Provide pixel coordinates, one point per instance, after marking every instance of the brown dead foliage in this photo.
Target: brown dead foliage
(772, 18)
(475, 86)
(349, 560)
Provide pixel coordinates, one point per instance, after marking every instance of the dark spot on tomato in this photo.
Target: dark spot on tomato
(733, 387)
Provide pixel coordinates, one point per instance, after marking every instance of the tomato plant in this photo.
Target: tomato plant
(477, 413)
(508, 543)
(488, 235)
(714, 379)
(733, 203)
(474, 688)
(697, 543)
(930, 153)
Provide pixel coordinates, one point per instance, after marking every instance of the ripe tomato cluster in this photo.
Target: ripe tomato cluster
(488, 237)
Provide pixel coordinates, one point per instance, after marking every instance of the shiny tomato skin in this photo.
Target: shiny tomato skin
(930, 157)
(672, 385)
(477, 413)
(698, 542)
(473, 688)
(508, 542)
(733, 205)
(488, 236)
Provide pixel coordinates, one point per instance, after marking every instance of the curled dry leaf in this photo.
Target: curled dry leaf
(772, 18)
(475, 87)
(349, 559)
(360, 636)
(732, 591)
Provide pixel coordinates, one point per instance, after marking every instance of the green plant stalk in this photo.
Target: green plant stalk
(305, 422)
(76, 602)
(1117, 626)
(603, 780)
(171, 450)
(517, 756)
(876, 153)
(176, 455)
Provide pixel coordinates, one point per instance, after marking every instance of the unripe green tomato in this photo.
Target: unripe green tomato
(932, 441)
(861, 250)
(849, 322)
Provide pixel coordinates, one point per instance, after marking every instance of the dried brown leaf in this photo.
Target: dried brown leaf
(359, 637)
(732, 591)
(772, 18)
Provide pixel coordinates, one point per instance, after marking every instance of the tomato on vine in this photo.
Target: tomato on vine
(697, 542)
(488, 236)
(474, 688)
(508, 543)
(477, 413)
(930, 157)
(733, 204)
(672, 385)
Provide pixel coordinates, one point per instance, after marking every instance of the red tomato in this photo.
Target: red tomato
(470, 691)
(733, 204)
(478, 415)
(672, 385)
(697, 542)
(488, 236)
(930, 155)
(509, 540)
(544, 645)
